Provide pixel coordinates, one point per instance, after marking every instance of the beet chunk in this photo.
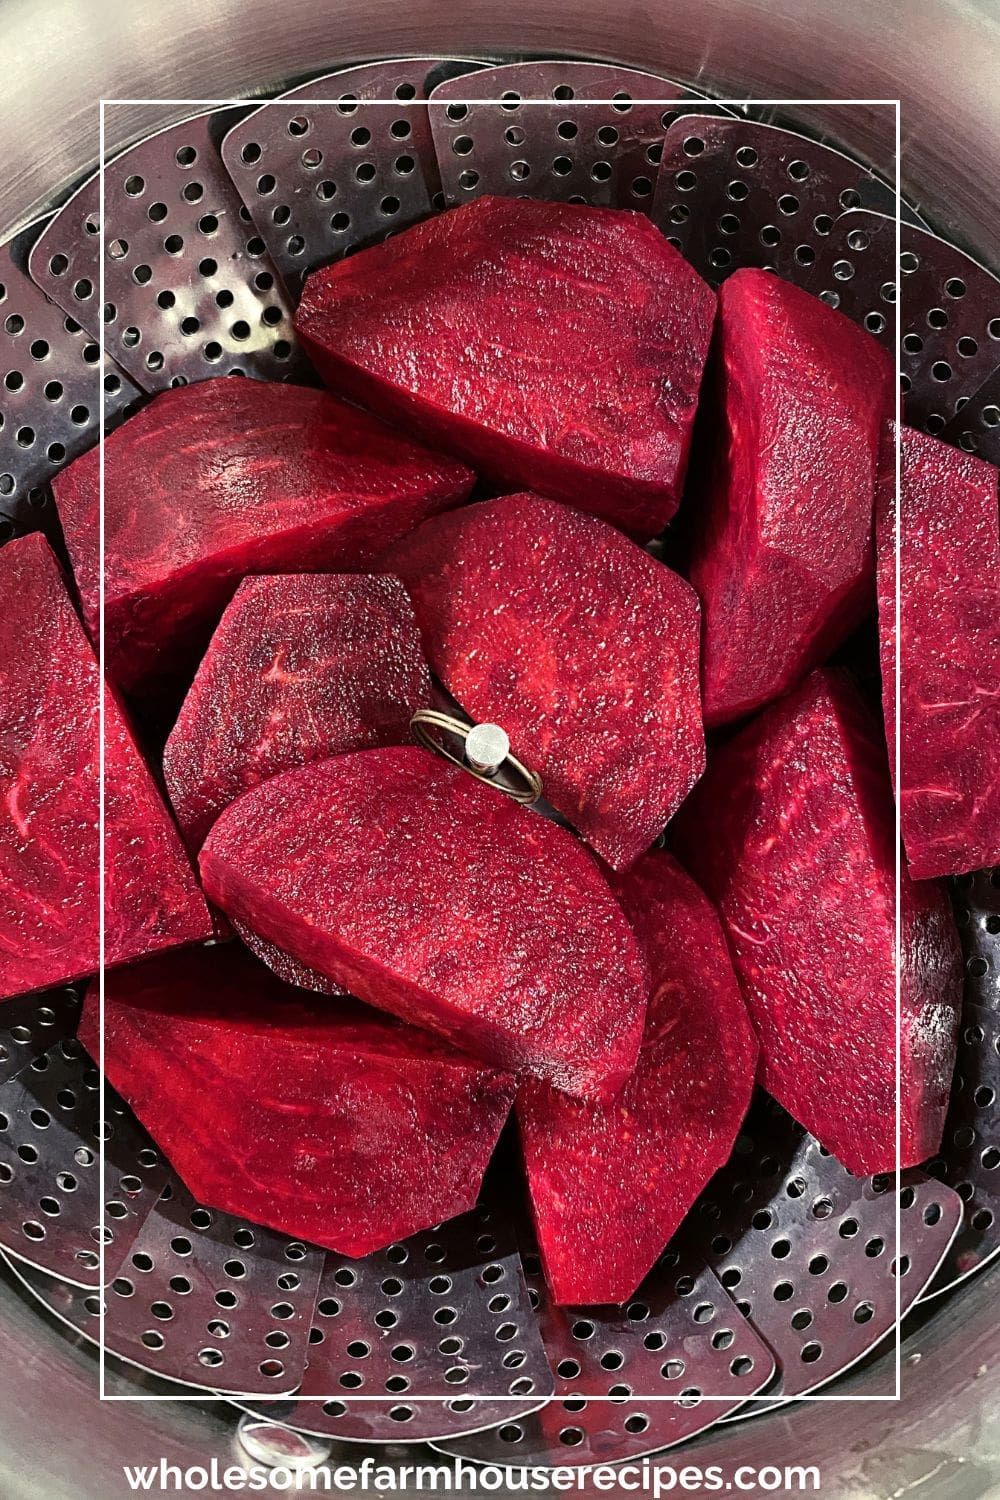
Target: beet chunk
(791, 833)
(49, 837)
(435, 897)
(552, 346)
(949, 797)
(584, 648)
(611, 1182)
(326, 1121)
(782, 520)
(213, 481)
(300, 668)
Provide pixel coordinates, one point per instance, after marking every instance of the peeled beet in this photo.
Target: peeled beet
(580, 645)
(611, 1182)
(227, 477)
(791, 833)
(323, 1120)
(949, 796)
(782, 519)
(49, 807)
(426, 893)
(300, 668)
(553, 346)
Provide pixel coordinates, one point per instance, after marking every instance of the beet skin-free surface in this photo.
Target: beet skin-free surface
(321, 1119)
(610, 1183)
(555, 347)
(300, 667)
(432, 896)
(49, 800)
(582, 646)
(213, 481)
(949, 796)
(791, 833)
(782, 556)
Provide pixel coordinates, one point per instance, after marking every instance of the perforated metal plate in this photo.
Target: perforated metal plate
(31, 1024)
(190, 289)
(734, 193)
(322, 179)
(442, 1314)
(49, 399)
(976, 428)
(566, 150)
(49, 1139)
(681, 1338)
(808, 1250)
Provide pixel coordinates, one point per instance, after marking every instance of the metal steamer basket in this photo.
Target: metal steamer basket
(785, 1277)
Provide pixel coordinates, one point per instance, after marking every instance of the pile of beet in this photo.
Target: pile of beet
(376, 958)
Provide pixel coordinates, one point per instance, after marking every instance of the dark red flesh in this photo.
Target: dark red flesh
(610, 1183)
(435, 897)
(224, 478)
(324, 1120)
(555, 626)
(300, 667)
(781, 520)
(49, 800)
(949, 796)
(554, 347)
(790, 831)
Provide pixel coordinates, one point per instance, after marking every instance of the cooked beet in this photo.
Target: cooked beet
(227, 477)
(611, 1182)
(579, 644)
(949, 802)
(300, 668)
(49, 839)
(435, 897)
(791, 833)
(782, 517)
(327, 1121)
(552, 346)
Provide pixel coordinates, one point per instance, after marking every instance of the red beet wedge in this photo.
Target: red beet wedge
(49, 764)
(782, 521)
(435, 897)
(791, 833)
(610, 1183)
(327, 1121)
(213, 481)
(579, 644)
(552, 346)
(300, 668)
(949, 797)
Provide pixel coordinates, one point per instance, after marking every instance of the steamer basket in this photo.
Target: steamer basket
(255, 197)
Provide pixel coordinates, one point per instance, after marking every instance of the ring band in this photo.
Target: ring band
(426, 720)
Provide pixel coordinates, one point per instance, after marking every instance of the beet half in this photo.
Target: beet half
(579, 644)
(553, 346)
(300, 668)
(49, 769)
(791, 833)
(432, 896)
(323, 1120)
(213, 481)
(610, 1183)
(949, 726)
(782, 551)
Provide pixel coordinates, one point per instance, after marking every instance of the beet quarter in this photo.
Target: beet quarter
(49, 838)
(555, 626)
(791, 833)
(552, 346)
(227, 477)
(949, 797)
(611, 1182)
(324, 1120)
(782, 517)
(435, 897)
(300, 667)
